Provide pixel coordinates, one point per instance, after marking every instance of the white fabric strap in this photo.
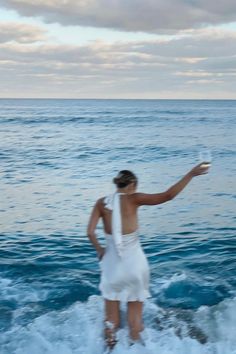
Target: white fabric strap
(113, 203)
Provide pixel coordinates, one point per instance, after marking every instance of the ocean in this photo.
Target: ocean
(57, 157)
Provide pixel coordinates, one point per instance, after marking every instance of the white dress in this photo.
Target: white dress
(124, 267)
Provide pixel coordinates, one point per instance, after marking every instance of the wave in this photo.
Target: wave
(79, 329)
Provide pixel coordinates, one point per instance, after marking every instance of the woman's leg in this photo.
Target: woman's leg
(112, 321)
(135, 321)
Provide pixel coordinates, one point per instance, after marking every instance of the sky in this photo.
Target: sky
(152, 49)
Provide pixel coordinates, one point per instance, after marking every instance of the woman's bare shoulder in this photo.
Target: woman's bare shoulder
(99, 204)
(103, 202)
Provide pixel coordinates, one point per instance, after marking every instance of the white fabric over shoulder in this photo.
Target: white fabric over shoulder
(116, 224)
(112, 202)
(108, 201)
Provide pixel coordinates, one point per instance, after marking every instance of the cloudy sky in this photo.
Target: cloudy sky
(118, 49)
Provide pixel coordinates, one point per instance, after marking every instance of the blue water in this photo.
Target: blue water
(57, 157)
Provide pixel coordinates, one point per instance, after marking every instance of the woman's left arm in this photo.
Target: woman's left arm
(93, 221)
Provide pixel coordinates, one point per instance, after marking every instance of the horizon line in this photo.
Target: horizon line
(141, 99)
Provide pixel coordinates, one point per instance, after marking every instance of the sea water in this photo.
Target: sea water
(57, 157)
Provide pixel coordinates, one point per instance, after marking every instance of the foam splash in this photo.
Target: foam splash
(79, 329)
(175, 278)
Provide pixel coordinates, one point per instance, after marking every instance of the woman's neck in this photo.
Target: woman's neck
(123, 191)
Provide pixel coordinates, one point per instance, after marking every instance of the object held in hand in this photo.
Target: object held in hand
(205, 164)
(205, 157)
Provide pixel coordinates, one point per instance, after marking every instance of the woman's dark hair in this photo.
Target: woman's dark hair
(124, 178)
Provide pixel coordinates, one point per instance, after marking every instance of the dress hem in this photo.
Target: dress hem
(126, 297)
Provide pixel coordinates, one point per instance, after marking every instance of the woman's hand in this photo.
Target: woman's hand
(100, 253)
(200, 169)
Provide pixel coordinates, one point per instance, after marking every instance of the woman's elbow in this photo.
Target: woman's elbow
(90, 233)
(169, 196)
(163, 197)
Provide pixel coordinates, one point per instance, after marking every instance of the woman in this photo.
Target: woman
(124, 268)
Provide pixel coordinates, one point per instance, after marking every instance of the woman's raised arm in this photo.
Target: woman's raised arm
(170, 193)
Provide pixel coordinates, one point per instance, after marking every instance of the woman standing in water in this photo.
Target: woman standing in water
(124, 267)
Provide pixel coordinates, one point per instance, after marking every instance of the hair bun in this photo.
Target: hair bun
(115, 180)
(124, 178)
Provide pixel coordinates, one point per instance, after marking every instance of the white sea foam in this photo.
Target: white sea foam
(20, 292)
(78, 329)
(175, 278)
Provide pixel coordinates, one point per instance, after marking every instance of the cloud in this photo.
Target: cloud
(205, 81)
(189, 66)
(134, 15)
(201, 73)
(21, 33)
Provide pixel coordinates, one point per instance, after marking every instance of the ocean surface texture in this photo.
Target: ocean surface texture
(57, 157)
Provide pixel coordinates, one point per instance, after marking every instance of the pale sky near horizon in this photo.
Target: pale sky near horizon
(117, 49)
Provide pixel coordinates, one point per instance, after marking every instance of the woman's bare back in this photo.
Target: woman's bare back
(128, 214)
